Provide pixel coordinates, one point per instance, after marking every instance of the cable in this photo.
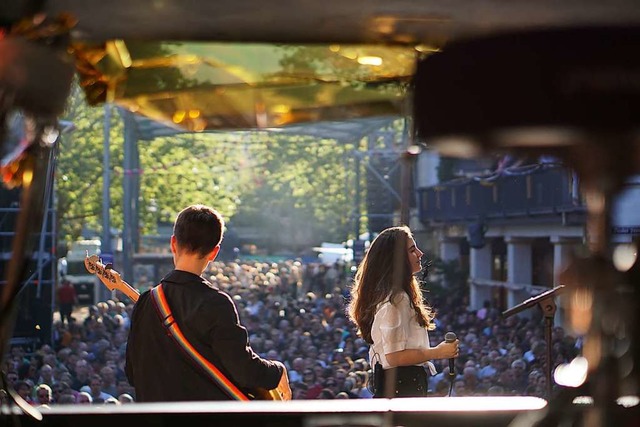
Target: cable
(450, 385)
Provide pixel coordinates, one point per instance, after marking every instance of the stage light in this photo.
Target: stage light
(628, 401)
(50, 135)
(624, 256)
(572, 374)
(370, 60)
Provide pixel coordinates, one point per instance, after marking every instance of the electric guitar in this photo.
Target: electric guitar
(112, 280)
(109, 277)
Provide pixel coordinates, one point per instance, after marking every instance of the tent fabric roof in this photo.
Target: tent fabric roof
(342, 131)
(200, 86)
(431, 24)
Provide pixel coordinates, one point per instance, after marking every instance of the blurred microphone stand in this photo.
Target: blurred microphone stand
(548, 306)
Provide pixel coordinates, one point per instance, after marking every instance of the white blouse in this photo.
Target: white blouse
(395, 328)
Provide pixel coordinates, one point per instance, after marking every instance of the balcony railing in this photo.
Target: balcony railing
(533, 190)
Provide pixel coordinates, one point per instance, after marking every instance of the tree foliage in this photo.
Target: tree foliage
(186, 169)
(301, 190)
(79, 168)
(297, 190)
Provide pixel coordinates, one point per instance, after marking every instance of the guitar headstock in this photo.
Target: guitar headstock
(109, 277)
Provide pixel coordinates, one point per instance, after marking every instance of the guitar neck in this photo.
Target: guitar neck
(129, 291)
(110, 278)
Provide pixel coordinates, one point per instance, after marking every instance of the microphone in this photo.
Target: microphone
(451, 337)
(424, 271)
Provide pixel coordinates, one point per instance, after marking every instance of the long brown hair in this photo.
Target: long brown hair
(384, 274)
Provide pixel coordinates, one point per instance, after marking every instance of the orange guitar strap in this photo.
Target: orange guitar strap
(162, 307)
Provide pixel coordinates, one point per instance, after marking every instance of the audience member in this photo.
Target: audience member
(294, 313)
(43, 395)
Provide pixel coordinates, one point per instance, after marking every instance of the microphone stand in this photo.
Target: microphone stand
(548, 306)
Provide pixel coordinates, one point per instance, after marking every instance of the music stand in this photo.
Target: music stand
(548, 306)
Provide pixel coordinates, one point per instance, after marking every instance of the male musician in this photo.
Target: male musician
(156, 366)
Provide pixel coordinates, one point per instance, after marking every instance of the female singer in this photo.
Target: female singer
(389, 311)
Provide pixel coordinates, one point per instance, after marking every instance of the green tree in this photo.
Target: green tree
(79, 168)
(447, 280)
(185, 169)
(299, 193)
(174, 171)
(296, 190)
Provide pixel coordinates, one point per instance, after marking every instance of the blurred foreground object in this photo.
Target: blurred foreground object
(201, 86)
(574, 94)
(35, 80)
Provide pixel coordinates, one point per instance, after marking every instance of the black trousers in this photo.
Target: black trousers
(410, 381)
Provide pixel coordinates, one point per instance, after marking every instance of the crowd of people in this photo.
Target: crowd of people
(294, 313)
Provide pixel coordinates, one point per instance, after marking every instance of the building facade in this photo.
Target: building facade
(514, 228)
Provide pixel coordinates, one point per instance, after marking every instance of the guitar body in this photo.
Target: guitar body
(112, 280)
(264, 394)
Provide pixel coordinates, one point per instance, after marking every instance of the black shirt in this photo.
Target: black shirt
(161, 372)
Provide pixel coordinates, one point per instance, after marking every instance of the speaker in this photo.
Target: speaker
(475, 235)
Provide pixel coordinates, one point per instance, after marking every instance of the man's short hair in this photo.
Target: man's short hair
(198, 229)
